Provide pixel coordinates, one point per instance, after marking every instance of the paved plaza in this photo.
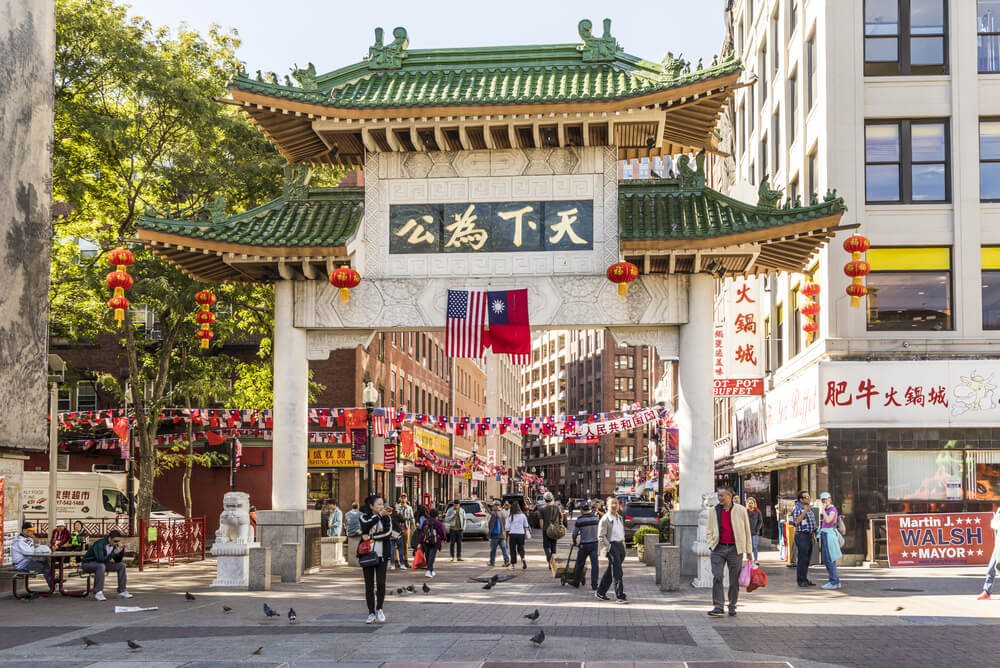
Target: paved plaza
(920, 617)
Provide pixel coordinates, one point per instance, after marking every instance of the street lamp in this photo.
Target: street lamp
(369, 396)
(57, 375)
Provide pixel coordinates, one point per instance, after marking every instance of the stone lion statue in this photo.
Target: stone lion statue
(233, 535)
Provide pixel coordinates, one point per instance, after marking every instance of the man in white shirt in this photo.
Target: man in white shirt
(611, 538)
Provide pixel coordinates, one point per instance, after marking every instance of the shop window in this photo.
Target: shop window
(909, 289)
(989, 159)
(927, 475)
(988, 25)
(991, 287)
(982, 482)
(905, 37)
(906, 162)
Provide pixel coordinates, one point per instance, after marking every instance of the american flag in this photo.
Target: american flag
(466, 315)
(382, 421)
(519, 359)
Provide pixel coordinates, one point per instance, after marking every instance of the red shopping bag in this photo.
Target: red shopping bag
(758, 579)
(419, 560)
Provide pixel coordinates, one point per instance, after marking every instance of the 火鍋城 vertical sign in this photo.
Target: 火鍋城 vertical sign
(939, 539)
(742, 345)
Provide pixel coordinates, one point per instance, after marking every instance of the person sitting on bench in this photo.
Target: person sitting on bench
(23, 549)
(103, 556)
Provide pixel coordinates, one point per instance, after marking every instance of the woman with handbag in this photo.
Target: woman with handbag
(374, 552)
(517, 531)
(829, 536)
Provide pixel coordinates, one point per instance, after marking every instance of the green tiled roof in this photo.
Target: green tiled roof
(324, 217)
(489, 76)
(661, 209)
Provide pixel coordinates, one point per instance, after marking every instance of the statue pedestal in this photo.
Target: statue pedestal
(331, 551)
(233, 570)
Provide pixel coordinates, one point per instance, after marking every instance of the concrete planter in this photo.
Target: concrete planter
(649, 542)
(668, 567)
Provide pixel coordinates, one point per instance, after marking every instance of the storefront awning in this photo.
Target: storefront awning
(780, 454)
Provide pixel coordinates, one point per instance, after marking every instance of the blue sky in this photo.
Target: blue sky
(335, 33)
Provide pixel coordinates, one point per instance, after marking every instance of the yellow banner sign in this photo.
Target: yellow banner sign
(431, 441)
(331, 457)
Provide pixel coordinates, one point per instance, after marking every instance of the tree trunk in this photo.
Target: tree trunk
(188, 463)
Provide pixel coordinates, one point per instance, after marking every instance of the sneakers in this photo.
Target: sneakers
(983, 597)
(392, 567)
(491, 565)
(99, 596)
(403, 567)
(831, 585)
(432, 574)
(621, 601)
(732, 612)
(380, 617)
(370, 620)
(124, 594)
(451, 558)
(715, 612)
(601, 597)
(506, 564)
(512, 566)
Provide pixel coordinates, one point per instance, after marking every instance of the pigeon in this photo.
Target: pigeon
(226, 609)
(650, 142)
(291, 615)
(538, 638)
(400, 591)
(898, 608)
(534, 615)
(410, 588)
(258, 650)
(188, 596)
(494, 579)
(270, 612)
(133, 645)
(489, 585)
(87, 642)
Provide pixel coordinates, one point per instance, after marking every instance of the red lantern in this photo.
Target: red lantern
(856, 291)
(121, 257)
(623, 273)
(857, 268)
(856, 244)
(810, 308)
(810, 289)
(205, 317)
(345, 278)
(810, 327)
(119, 304)
(119, 281)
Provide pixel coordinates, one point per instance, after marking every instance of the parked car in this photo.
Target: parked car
(638, 514)
(476, 519)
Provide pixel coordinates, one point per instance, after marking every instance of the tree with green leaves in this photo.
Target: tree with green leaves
(137, 129)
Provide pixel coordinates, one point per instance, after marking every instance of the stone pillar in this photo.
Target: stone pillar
(260, 568)
(694, 415)
(291, 403)
(332, 551)
(289, 556)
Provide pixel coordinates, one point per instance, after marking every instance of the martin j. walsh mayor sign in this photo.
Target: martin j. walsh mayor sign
(939, 539)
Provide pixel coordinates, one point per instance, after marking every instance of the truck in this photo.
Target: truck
(99, 499)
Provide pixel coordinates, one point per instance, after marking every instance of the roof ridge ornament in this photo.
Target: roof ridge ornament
(767, 198)
(306, 76)
(673, 66)
(216, 210)
(296, 182)
(597, 49)
(388, 56)
(691, 179)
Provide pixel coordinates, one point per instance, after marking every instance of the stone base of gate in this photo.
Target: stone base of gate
(277, 527)
(685, 534)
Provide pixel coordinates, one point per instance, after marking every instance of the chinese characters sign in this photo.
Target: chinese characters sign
(739, 355)
(331, 457)
(939, 539)
(493, 227)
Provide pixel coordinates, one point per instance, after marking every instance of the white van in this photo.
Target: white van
(81, 495)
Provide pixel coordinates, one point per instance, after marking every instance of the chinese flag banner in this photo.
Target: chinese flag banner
(406, 447)
(509, 330)
(939, 539)
(355, 418)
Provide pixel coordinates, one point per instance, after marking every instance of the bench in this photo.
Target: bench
(15, 574)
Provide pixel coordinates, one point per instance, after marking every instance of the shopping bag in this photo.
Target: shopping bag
(419, 560)
(758, 579)
(745, 573)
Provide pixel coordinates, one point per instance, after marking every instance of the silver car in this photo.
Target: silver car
(477, 519)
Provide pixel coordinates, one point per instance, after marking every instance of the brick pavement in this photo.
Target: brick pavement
(923, 617)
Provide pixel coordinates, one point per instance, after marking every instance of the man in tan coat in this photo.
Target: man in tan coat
(728, 537)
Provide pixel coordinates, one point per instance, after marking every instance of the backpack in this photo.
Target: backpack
(494, 525)
(555, 530)
(428, 534)
(841, 527)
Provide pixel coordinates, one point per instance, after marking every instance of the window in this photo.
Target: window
(811, 85)
(779, 331)
(909, 289)
(905, 37)
(793, 190)
(762, 69)
(624, 454)
(742, 123)
(645, 385)
(795, 336)
(812, 174)
(645, 363)
(990, 287)
(750, 114)
(929, 475)
(793, 106)
(624, 362)
(86, 396)
(906, 161)
(989, 160)
(65, 400)
(988, 24)
(762, 158)
(776, 41)
(775, 137)
(793, 10)
(624, 384)
(982, 482)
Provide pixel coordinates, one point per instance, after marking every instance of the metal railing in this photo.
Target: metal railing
(95, 528)
(170, 541)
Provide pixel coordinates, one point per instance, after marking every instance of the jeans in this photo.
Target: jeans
(550, 546)
(831, 565)
(430, 551)
(42, 566)
(99, 568)
(726, 556)
(375, 585)
(755, 540)
(586, 550)
(397, 549)
(804, 549)
(613, 573)
(455, 543)
(991, 572)
(495, 542)
(516, 541)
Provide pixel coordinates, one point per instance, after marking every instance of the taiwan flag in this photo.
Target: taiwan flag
(509, 330)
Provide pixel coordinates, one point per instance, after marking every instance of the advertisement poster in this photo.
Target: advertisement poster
(3, 558)
(939, 539)
(359, 444)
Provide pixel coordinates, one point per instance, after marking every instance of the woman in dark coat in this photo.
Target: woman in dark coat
(377, 527)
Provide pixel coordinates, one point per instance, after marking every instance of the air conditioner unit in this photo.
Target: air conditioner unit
(62, 462)
(107, 468)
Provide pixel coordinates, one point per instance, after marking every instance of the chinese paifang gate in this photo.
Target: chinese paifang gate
(495, 167)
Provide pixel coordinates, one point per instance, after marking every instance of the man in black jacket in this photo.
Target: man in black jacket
(103, 556)
(585, 535)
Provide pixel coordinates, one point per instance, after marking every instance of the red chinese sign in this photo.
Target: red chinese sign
(738, 387)
(738, 363)
(389, 456)
(940, 539)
